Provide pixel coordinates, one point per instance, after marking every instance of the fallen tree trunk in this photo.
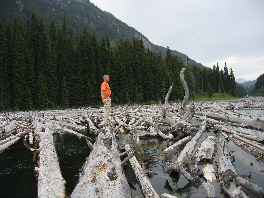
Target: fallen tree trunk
(145, 186)
(4, 144)
(102, 174)
(209, 173)
(185, 153)
(177, 144)
(209, 189)
(206, 151)
(50, 180)
(246, 120)
(79, 135)
(257, 190)
(226, 171)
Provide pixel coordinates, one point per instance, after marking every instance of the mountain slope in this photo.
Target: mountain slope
(249, 84)
(79, 14)
(241, 80)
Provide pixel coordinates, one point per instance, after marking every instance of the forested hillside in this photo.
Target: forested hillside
(51, 69)
(79, 14)
(259, 86)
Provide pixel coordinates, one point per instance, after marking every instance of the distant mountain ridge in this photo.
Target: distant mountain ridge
(249, 84)
(79, 14)
(241, 80)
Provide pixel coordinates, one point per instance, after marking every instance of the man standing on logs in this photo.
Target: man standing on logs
(106, 98)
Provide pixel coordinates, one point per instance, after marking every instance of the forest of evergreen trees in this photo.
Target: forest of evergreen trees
(53, 69)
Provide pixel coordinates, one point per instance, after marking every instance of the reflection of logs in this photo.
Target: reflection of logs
(209, 189)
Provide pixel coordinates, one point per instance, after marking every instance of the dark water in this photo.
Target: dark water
(17, 178)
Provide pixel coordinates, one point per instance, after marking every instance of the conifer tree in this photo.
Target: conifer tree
(1, 66)
(138, 63)
(19, 67)
(51, 72)
(7, 68)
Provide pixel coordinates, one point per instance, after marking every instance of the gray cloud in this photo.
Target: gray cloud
(207, 31)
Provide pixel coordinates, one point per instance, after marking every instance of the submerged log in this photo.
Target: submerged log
(145, 186)
(102, 174)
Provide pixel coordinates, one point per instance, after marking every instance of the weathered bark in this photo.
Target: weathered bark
(145, 186)
(206, 151)
(257, 190)
(209, 189)
(165, 195)
(102, 174)
(226, 171)
(50, 180)
(169, 136)
(4, 144)
(177, 144)
(186, 96)
(209, 173)
(185, 153)
(231, 117)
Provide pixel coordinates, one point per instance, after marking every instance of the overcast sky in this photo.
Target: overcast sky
(208, 31)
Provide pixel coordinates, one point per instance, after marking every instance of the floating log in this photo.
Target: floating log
(209, 173)
(206, 151)
(177, 144)
(102, 174)
(88, 139)
(226, 171)
(254, 188)
(145, 186)
(4, 144)
(237, 118)
(187, 151)
(50, 180)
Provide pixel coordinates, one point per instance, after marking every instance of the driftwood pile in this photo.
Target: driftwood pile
(180, 124)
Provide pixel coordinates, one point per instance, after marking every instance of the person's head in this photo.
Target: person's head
(106, 78)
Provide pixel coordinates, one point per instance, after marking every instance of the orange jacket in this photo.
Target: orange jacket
(105, 87)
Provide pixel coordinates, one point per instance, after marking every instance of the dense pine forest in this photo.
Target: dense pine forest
(53, 69)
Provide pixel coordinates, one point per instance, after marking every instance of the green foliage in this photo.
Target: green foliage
(241, 92)
(216, 96)
(259, 86)
(210, 90)
(40, 71)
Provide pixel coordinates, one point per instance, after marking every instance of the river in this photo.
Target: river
(18, 179)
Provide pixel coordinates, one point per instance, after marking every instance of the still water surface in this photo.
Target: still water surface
(17, 177)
